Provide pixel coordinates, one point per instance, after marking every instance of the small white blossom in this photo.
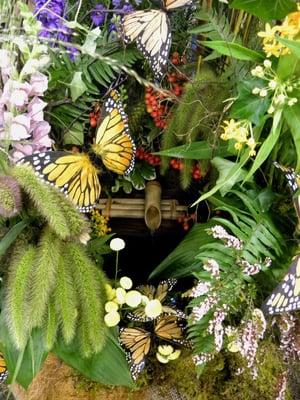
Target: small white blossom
(272, 84)
(256, 90)
(268, 64)
(263, 93)
(201, 289)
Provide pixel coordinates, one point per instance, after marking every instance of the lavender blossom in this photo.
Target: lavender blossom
(289, 331)
(281, 386)
(202, 358)
(200, 289)
(213, 267)
(98, 14)
(250, 269)
(216, 328)
(198, 312)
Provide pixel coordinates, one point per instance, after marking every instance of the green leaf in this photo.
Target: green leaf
(294, 45)
(235, 50)
(108, 366)
(90, 43)
(196, 151)
(232, 173)
(32, 359)
(268, 144)
(74, 135)
(77, 86)
(266, 9)
(11, 236)
(292, 117)
(224, 167)
(249, 106)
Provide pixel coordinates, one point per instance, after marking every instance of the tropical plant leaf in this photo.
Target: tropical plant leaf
(108, 366)
(266, 9)
(8, 239)
(196, 151)
(25, 365)
(234, 50)
(292, 117)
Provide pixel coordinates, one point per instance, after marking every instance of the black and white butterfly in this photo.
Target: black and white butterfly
(152, 33)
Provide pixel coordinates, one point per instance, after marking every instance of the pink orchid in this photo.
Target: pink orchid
(21, 150)
(15, 93)
(41, 134)
(39, 84)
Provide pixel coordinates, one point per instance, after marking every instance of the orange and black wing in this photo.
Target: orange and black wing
(71, 173)
(3, 369)
(113, 141)
(136, 342)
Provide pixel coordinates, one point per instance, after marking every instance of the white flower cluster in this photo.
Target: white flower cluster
(289, 344)
(281, 91)
(213, 267)
(202, 358)
(281, 386)
(200, 289)
(250, 269)
(198, 312)
(218, 232)
(216, 328)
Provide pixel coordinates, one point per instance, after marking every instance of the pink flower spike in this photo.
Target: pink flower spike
(21, 151)
(40, 134)
(35, 109)
(19, 128)
(39, 84)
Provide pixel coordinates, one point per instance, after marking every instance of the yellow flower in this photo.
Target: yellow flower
(111, 306)
(174, 355)
(110, 292)
(120, 295)
(238, 146)
(133, 298)
(153, 308)
(112, 318)
(126, 282)
(233, 347)
(165, 350)
(269, 32)
(162, 359)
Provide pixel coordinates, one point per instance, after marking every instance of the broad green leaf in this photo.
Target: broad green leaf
(292, 117)
(248, 105)
(224, 167)
(235, 50)
(11, 236)
(267, 145)
(32, 359)
(294, 45)
(90, 43)
(232, 173)
(74, 135)
(77, 86)
(181, 261)
(196, 151)
(108, 367)
(289, 65)
(266, 9)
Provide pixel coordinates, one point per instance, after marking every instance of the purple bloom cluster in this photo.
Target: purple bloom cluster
(52, 22)
(98, 14)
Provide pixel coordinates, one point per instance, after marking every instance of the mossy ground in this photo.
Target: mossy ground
(174, 381)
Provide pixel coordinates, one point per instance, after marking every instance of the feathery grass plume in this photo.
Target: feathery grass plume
(51, 324)
(15, 306)
(90, 289)
(44, 275)
(66, 300)
(10, 196)
(47, 200)
(78, 224)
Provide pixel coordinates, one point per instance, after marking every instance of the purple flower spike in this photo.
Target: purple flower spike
(98, 14)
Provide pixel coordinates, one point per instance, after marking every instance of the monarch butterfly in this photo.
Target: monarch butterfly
(152, 33)
(74, 173)
(286, 296)
(160, 293)
(137, 341)
(3, 369)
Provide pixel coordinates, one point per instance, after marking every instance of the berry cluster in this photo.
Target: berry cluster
(187, 221)
(178, 165)
(157, 103)
(93, 116)
(151, 159)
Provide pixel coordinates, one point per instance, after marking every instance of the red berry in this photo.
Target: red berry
(93, 122)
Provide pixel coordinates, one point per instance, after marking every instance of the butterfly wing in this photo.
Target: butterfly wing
(152, 33)
(113, 142)
(3, 369)
(168, 328)
(72, 174)
(136, 342)
(286, 296)
(164, 288)
(171, 4)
